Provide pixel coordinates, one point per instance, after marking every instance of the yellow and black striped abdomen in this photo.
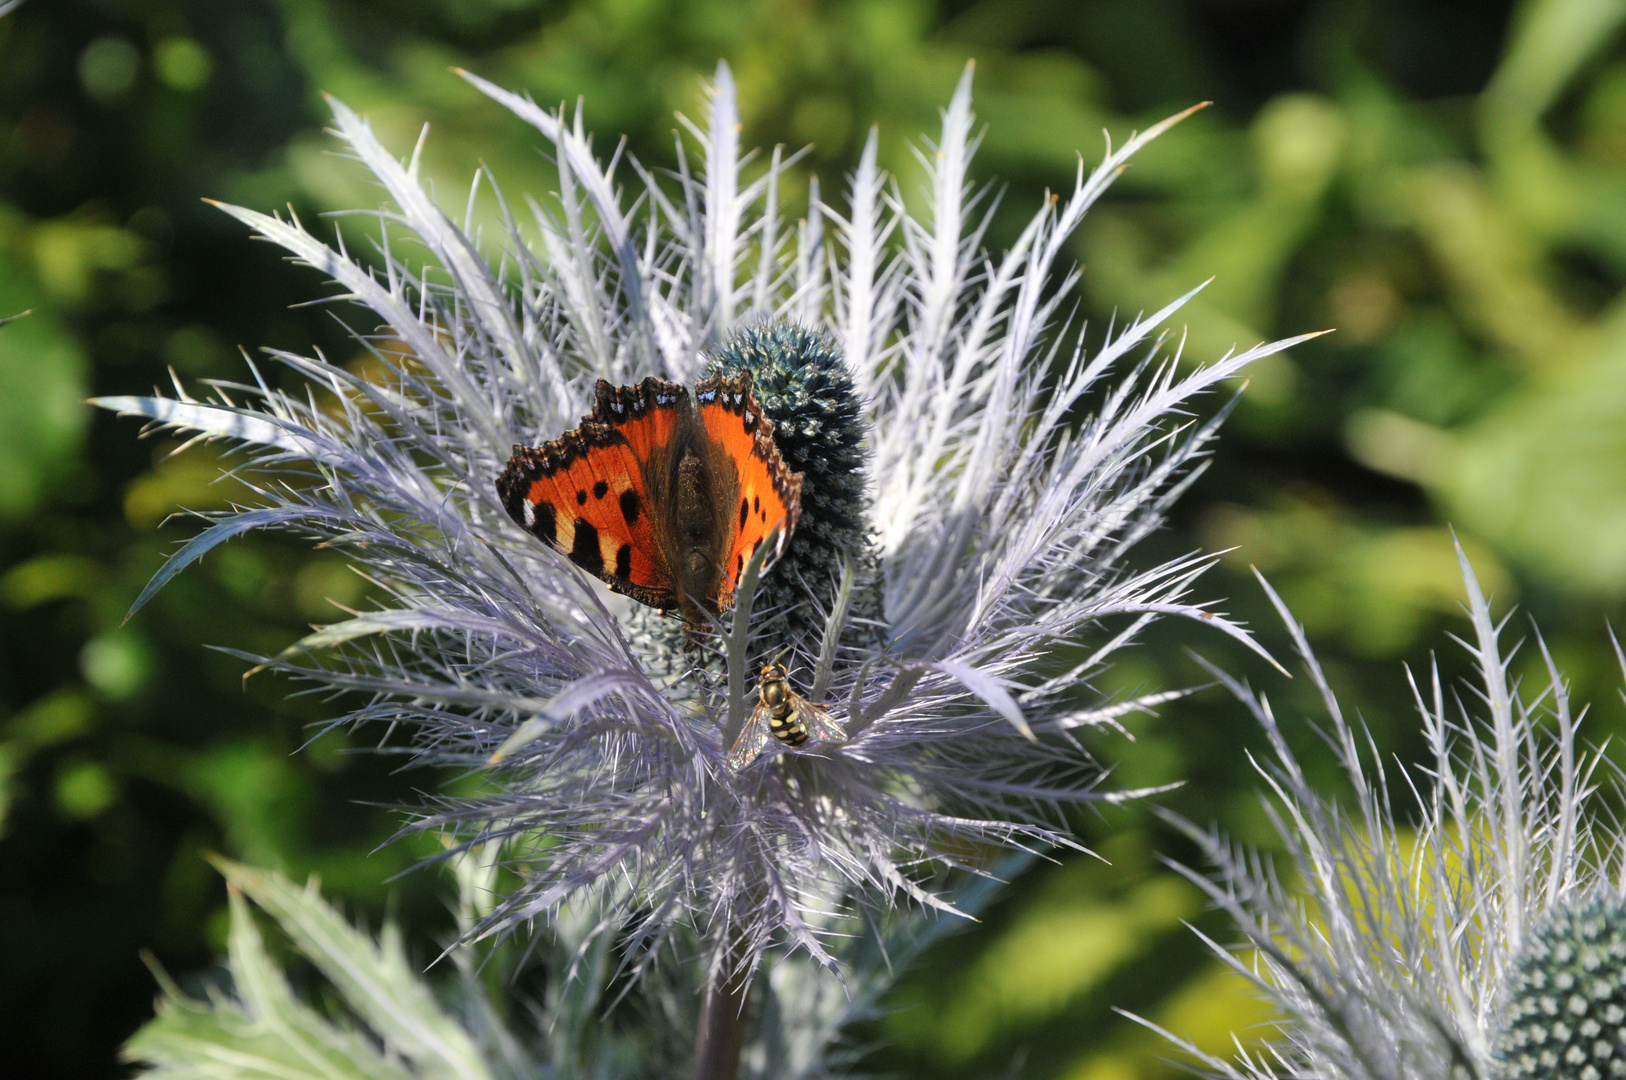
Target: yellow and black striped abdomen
(784, 715)
(786, 724)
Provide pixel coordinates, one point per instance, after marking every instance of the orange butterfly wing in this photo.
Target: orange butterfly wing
(768, 494)
(585, 493)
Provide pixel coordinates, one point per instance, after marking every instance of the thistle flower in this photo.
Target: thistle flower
(1565, 1009)
(1487, 940)
(984, 546)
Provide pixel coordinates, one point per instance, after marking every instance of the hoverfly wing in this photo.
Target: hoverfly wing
(752, 738)
(821, 726)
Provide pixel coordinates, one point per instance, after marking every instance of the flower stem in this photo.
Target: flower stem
(721, 1033)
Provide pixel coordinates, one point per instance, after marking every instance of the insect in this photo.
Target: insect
(783, 714)
(663, 496)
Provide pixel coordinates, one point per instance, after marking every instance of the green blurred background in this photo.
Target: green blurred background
(1444, 183)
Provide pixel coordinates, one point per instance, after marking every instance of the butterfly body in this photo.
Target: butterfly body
(662, 495)
(783, 714)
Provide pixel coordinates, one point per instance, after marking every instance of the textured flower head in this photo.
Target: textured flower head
(1481, 935)
(1565, 1010)
(956, 577)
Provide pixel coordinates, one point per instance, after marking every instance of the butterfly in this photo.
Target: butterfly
(783, 714)
(662, 496)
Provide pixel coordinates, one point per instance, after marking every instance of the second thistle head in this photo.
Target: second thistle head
(1563, 1016)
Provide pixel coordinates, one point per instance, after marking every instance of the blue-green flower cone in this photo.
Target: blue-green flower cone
(1564, 1017)
(807, 391)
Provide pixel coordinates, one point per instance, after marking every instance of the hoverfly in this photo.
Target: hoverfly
(783, 714)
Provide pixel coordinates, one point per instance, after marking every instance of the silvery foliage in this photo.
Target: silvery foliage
(1389, 948)
(381, 1017)
(1003, 512)
(392, 1026)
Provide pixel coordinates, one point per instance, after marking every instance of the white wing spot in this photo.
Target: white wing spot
(528, 512)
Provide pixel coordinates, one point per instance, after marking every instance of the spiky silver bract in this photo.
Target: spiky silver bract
(1411, 927)
(1000, 521)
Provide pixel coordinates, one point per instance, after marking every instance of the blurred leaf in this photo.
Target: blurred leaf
(182, 63)
(1049, 956)
(1375, 587)
(108, 68)
(191, 480)
(42, 379)
(56, 717)
(118, 663)
(1209, 1011)
(45, 578)
(1544, 476)
(68, 253)
(84, 789)
(373, 978)
(265, 1033)
(259, 798)
(9, 763)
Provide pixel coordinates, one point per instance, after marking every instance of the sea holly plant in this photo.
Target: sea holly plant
(1461, 920)
(975, 472)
